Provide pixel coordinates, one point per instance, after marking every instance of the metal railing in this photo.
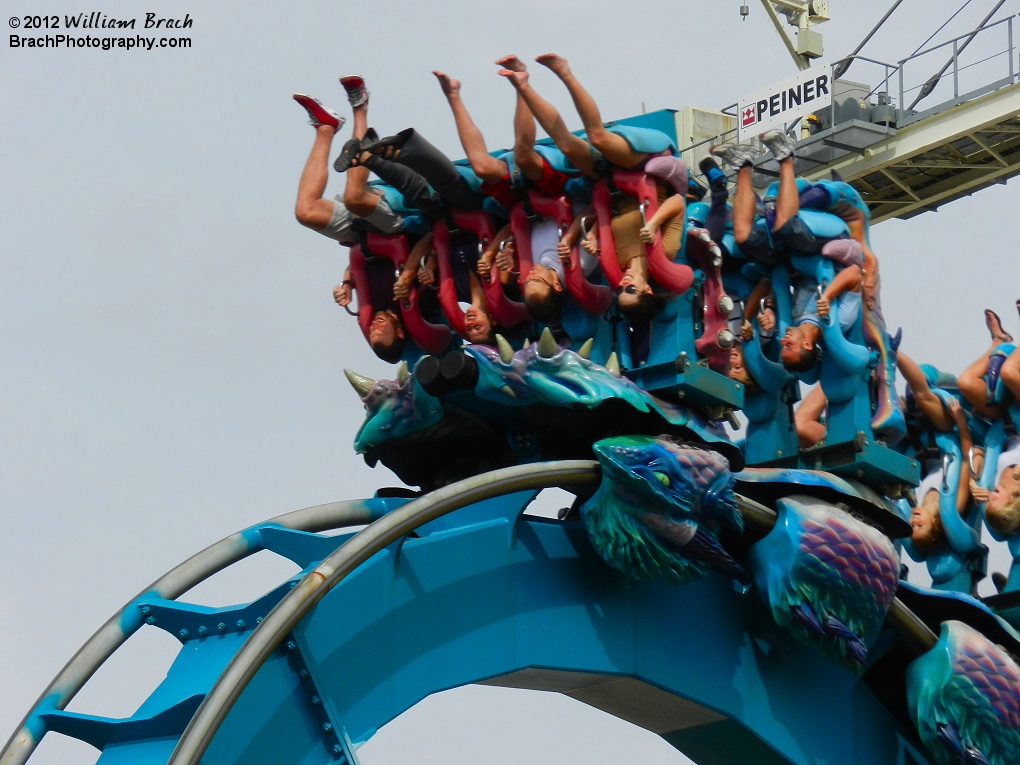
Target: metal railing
(954, 71)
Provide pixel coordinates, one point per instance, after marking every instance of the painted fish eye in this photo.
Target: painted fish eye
(662, 478)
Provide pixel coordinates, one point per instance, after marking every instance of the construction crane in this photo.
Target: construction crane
(909, 135)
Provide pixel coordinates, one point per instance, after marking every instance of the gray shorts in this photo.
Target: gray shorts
(341, 224)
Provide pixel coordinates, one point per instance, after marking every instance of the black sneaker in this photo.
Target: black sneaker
(711, 170)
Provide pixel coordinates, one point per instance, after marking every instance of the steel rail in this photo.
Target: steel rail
(332, 570)
(196, 569)
(196, 738)
(384, 529)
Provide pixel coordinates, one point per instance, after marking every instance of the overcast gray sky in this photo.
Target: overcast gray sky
(172, 356)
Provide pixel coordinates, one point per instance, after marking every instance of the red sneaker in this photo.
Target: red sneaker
(319, 114)
(357, 93)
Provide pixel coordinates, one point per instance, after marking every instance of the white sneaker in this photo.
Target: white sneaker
(736, 155)
(779, 143)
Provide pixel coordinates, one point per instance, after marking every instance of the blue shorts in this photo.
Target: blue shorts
(795, 235)
(759, 245)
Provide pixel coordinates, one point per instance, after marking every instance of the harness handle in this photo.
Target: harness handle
(482, 241)
(947, 461)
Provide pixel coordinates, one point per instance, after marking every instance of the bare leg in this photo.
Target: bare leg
(973, 388)
(807, 418)
(311, 209)
(487, 167)
(744, 205)
(576, 149)
(525, 157)
(929, 404)
(358, 198)
(613, 147)
(788, 201)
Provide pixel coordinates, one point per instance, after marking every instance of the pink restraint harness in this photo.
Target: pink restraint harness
(503, 311)
(594, 299)
(431, 338)
(674, 277)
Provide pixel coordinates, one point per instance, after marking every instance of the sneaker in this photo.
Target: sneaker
(318, 114)
(357, 93)
(736, 155)
(348, 154)
(779, 144)
(715, 176)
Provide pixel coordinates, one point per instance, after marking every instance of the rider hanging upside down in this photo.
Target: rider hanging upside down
(505, 177)
(627, 148)
(979, 383)
(361, 208)
(479, 328)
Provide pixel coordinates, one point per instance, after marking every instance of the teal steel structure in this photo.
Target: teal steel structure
(457, 587)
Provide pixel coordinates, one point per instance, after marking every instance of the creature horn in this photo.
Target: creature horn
(547, 347)
(527, 344)
(585, 350)
(613, 365)
(403, 375)
(360, 383)
(506, 352)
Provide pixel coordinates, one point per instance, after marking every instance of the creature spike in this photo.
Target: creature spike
(585, 350)
(691, 541)
(363, 385)
(950, 738)
(527, 344)
(403, 375)
(836, 628)
(613, 365)
(803, 615)
(857, 651)
(704, 236)
(506, 352)
(547, 347)
(506, 389)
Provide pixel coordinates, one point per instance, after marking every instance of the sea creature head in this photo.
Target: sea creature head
(546, 373)
(549, 374)
(679, 479)
(393, 408)
(659, 507)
